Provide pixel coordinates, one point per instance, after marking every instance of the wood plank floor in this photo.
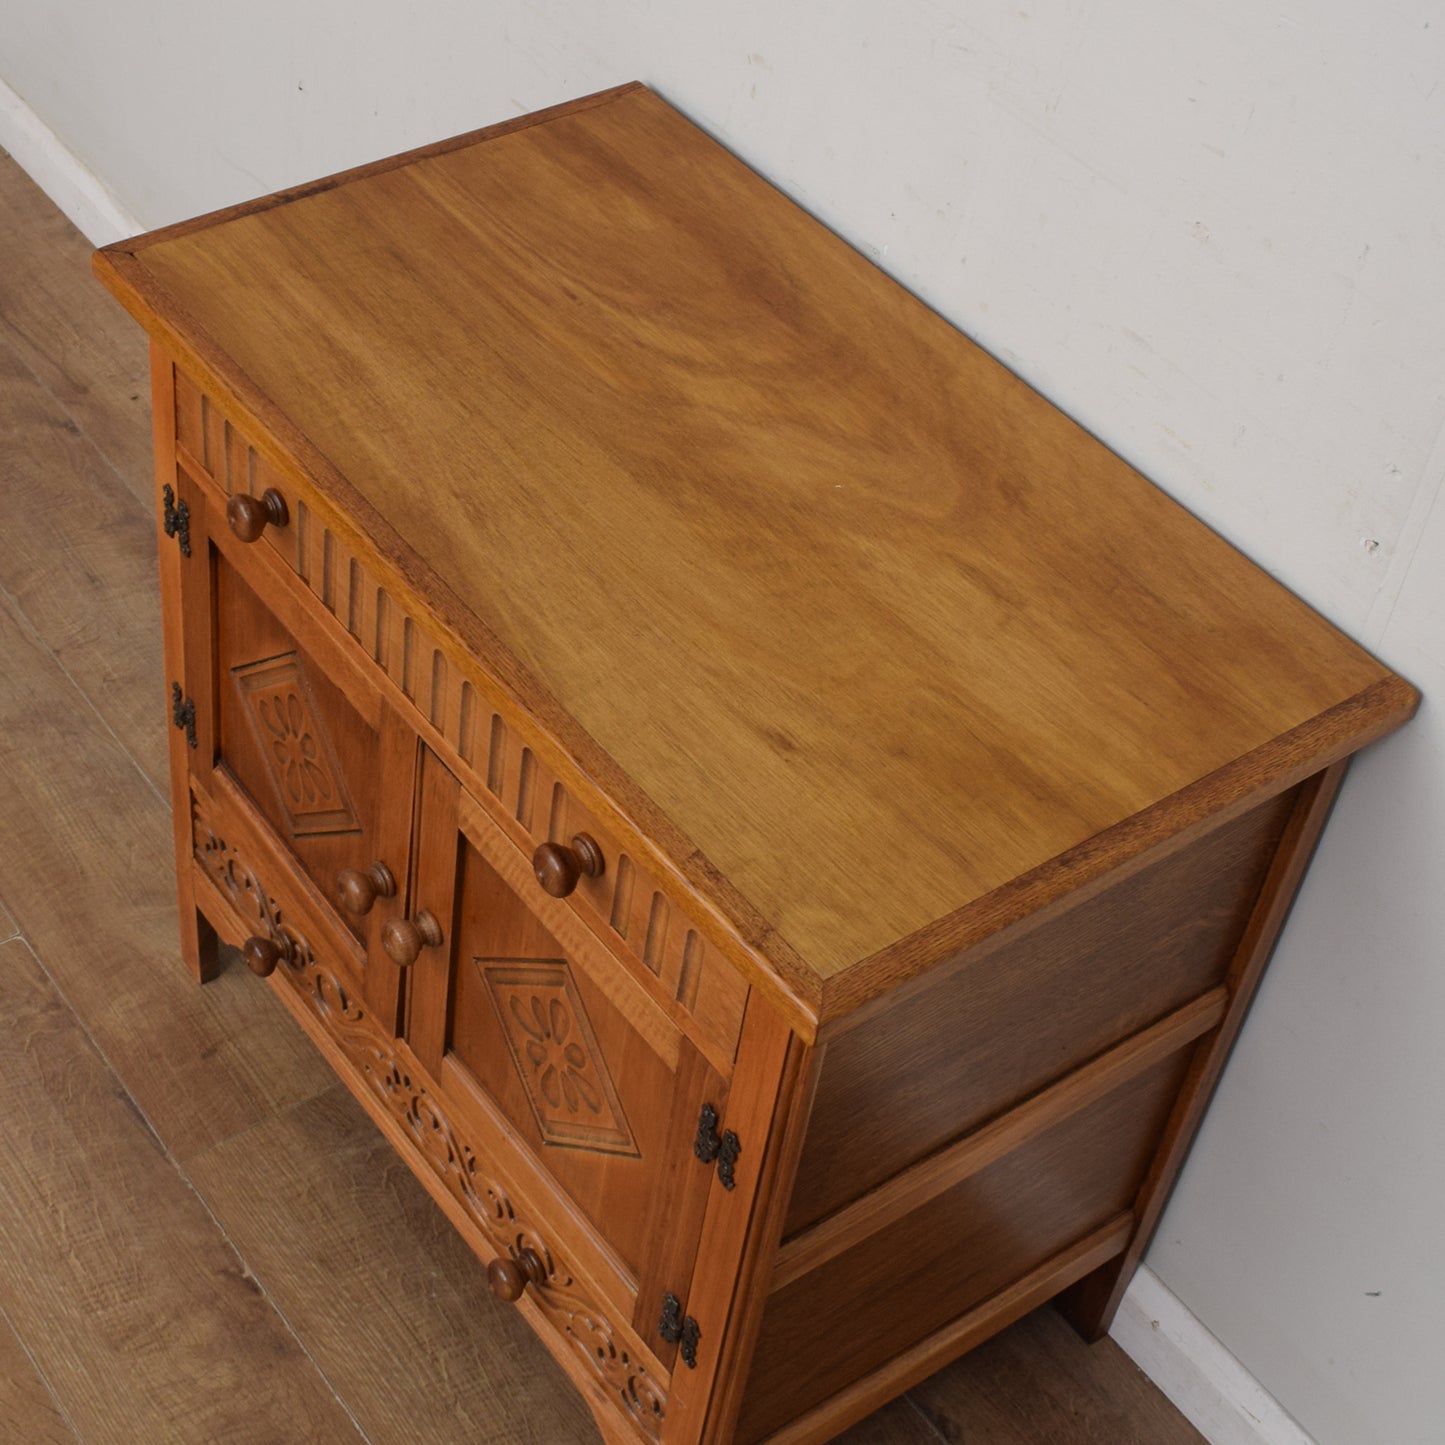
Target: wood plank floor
(202, 1238)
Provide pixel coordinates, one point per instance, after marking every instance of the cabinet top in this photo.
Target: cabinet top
(824, 591)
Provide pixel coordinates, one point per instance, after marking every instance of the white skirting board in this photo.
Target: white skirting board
(61, 174)
(1204, 1382)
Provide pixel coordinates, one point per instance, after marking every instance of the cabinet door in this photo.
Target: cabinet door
(292, 733)
(528, 1023)
(297, 745)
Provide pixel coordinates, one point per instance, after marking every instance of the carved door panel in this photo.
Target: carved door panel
(298, 747)
(315, 752)
(526, 1019)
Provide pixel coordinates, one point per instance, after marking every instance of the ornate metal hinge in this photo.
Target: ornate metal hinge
(710, 1145)
(679, 1331)
(183, 713)
(176, 517)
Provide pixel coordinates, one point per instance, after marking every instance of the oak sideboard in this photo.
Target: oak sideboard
(778, 825)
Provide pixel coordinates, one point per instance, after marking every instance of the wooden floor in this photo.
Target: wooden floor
(202, 1238)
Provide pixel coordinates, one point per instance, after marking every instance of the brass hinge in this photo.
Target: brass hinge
(183, 713)
(679, 1331)
(176, 518)
(710, 1145)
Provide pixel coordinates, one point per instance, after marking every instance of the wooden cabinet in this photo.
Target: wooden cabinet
(778, 826)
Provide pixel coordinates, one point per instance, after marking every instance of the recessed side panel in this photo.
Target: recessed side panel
(949, 1055)
(903, 1283)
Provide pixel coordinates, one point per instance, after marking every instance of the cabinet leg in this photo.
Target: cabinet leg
(1090, 1304)
(200, 948)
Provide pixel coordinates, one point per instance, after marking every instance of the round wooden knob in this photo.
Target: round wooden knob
(357, 888)
(250, 516)
(558, 868)
(261, 956)
(508, 1277)
(404, 938)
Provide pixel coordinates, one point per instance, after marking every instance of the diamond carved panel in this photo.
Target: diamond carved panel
(294, 742)
(556, 1055)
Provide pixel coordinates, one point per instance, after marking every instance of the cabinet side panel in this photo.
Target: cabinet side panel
(1091, 1305)
(186, 635)
(904, 1283)
(954, 1053)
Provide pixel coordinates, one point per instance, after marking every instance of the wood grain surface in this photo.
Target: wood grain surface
(872, 1302)
(1080, 1399)
(927, 633)
(956, 1338)
(263, 668)
(513, 984)
(80, 561)
(891, 1203)
(81, 864)
(85, 353)
(1092, 1303)
(28, 1409)
(186, 653)
(975, 1039)
(139, 1313)
(393, 1306)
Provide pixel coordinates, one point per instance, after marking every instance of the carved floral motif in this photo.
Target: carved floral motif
(373, 1056)
(561, 1066)
(294, 750)
(556, 1055)
(293, 740)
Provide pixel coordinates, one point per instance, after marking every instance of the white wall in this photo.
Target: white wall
(1212, 230)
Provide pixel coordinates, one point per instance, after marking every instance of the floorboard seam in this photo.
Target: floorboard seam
(925, 1417)
(184, 1171)
(37, 640)
(260, 1123)
(40, 1374)
(270, 1299)
(84, 1029)
(167, 1154)
(8, 336)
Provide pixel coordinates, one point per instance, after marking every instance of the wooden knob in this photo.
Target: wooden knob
(508, 1277)
(261, 956)
(404, 938)
(357, 889)
(558, 868)
(250, 516)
